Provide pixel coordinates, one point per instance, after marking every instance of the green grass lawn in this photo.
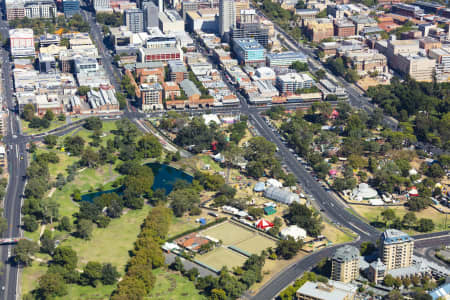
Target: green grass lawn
(173, 286)
(101, 292)
(27, 130)
(64, 161)
(335, 235)
(30, 275)
(373, 215)
(180, 225)
(110, 244)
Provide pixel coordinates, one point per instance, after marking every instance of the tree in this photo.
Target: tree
(84, 229)
(320, 74)
(256, 212)
(288, 248)
(93, 123)
(92, 273)
(50, 140)
(130, 288)
(218, 294)
(409, 219)
(435, 171)
(28, 112)
(299, 66)
(66, 257)
(367, 248)
(149, 146)
(23, 251)
(177, 265)
(49, 115)
(30, 223)
(302, 216)
(51, 285)
(395, 295)
(65, 224)
(192, 274)
(83, 90)
(388, 215)
(388, 280)
(425, 225)
(47, 242)
(183, 200)
(109, 274)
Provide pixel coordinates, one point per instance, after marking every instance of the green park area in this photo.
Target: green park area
(374, 216)
(26, 129)
(172, 286)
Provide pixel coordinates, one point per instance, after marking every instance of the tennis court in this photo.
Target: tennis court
(229, 233)
(256, 244)
(220, 257)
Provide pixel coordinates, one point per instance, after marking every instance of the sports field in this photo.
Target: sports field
(229, 233)
(220, 257)
(256, 244)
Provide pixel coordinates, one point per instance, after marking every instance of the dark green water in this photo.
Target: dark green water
(165, 178)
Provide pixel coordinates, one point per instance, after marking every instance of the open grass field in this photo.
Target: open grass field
(101, 292)
(229, 233)
(373, 215)
(256, 244)
(27, 130)
(110, 244)
(335, 235)
(173, 286)
(30, 275)
(220, 257)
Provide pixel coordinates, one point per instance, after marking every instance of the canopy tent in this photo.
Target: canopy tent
(263, 224)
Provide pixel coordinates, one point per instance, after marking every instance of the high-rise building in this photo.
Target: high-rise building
(227, 16)
(151, 14)
(345, 264)
(71, 7)
(396, 249)
(250, 27)
(134, 20)
(14, 9)
(21, 42)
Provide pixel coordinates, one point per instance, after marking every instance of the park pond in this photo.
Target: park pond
(165, 177)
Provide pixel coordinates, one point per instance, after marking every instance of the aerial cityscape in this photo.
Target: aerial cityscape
(220, 149)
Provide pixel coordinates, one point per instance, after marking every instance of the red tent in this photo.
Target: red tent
(263, 224)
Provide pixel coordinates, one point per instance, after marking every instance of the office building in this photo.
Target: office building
(48, 39)
(151, 15)
(202, 20)
(71, 7)
(319, 29)
(161, 42)
(442, 57)
(151, 96)
(101, 5)
(417, 66)
(38, 9)
(227, 16)
(134, 20)
(285, 59)
(249, 51)
(177, 71)
(407, 10)
(332, 290)
(241, 5)
(15, 9)
(345, 264)
(47, 63)
(291, 82)
(170, 22)
(344, 28)
(396, 249)
(369, 60)
(429, 7)
(249, 27)
(159, 54)
(21, 42)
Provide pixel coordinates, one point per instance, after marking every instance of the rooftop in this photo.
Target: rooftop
(248, 44)
(392, 236)
(346, 253)
(332, 290)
